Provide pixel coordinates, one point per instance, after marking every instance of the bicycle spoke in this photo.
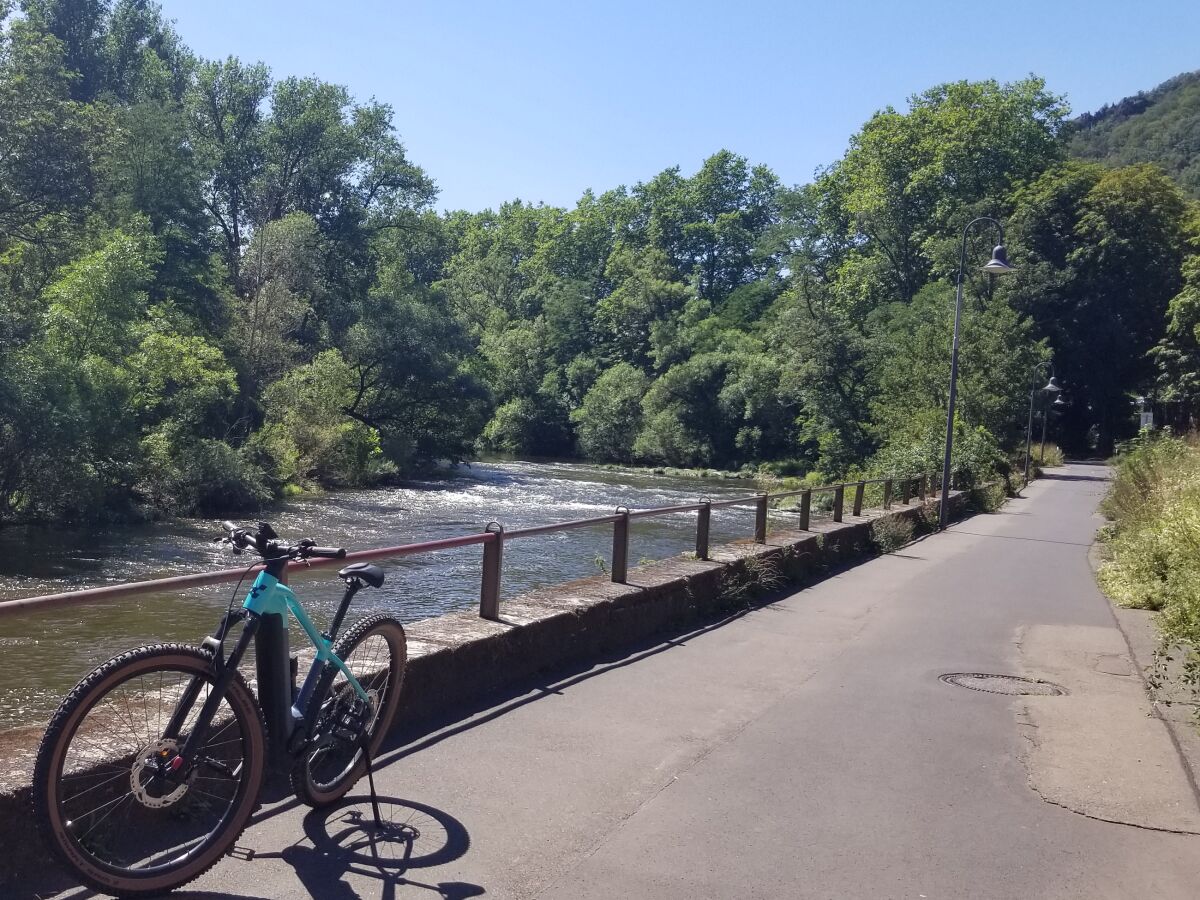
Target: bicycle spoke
(118, 801)
(96, 787)
(95, 773)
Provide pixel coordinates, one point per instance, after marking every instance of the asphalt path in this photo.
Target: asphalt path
(806, 748)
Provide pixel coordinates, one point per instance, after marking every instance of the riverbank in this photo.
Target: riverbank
(516, 493)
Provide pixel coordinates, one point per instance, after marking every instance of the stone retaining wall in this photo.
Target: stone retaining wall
(460, 657)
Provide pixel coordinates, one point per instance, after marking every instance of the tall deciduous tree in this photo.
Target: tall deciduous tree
(47, 138)
(911, 180)
(1099, 253)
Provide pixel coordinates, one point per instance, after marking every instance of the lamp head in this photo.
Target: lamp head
(1059, 403)
(1052, 387)
(998, 264)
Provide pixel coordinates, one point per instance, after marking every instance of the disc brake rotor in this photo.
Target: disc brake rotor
(146, 766)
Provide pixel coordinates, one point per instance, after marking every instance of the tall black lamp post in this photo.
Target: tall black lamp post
(998, 265)
(1052, 387)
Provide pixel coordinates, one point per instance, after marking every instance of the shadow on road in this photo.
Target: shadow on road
(343, 840)
(1056, 477)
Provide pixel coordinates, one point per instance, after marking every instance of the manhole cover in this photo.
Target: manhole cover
(1002, 684)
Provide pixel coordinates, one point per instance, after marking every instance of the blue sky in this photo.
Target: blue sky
(541, 100)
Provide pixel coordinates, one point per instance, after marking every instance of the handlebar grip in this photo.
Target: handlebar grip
(329, 552)
(238, 537)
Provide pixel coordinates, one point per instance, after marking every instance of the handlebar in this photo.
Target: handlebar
(327, 552)
(263, 541)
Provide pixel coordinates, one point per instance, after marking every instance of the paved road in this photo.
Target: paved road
(805, 749)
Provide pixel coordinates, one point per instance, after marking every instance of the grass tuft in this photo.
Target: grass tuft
(890, 533)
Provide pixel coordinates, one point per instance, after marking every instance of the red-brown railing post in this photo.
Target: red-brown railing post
(493, 558)
(620, 551)
(703, 518)
(760, 519)
(887, 494)
(906, 490)
(805, 509)
(921, 487)
(859, 490)
(839, 502)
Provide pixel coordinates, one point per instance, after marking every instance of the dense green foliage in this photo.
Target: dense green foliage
(1154, 503)
(1101, 255)
(217, 287)
(195, 310)
(1161, 126)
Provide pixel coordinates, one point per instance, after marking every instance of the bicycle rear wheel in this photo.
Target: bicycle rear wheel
(102, 801)
(375, 650)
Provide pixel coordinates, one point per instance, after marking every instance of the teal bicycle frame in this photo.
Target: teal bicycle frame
(286, 711)
(271, 597)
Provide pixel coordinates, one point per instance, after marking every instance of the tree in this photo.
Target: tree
(79, 27)
(282, 282)
(610, 417)
(47, 139)
(717, 408)
(910, 181)
(1177, 356)
(997, 354)
(224, 107)
(411, 383)
(308, 436)
(1099, 255)
(97, 298)
(532, 413)
(709, 225)
(648, 292)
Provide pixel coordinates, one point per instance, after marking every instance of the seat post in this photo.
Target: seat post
(352, 586)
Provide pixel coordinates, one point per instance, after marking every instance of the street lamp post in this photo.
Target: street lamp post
(998, 265)
(1051, 388)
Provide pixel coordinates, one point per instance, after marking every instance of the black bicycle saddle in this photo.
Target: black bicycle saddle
(371, 574)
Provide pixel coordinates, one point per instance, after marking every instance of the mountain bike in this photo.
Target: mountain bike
(151, 768)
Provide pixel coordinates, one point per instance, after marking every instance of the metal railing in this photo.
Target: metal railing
(494, 537)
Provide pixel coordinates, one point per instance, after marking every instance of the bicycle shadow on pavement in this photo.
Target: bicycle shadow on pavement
(344, 840)
(339, 841)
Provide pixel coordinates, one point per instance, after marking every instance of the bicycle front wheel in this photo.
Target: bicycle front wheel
(374, 650)
(103, 801)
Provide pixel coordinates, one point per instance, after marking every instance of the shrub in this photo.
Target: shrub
(1154, 541)
(1047, 456)
(930, 516)
(199, 476)
(753, 577)
(988, 497)
(1146, 467)
(1154, 502)
(890, 533)
(977, 457)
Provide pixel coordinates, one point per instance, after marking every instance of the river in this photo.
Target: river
(46, 653)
